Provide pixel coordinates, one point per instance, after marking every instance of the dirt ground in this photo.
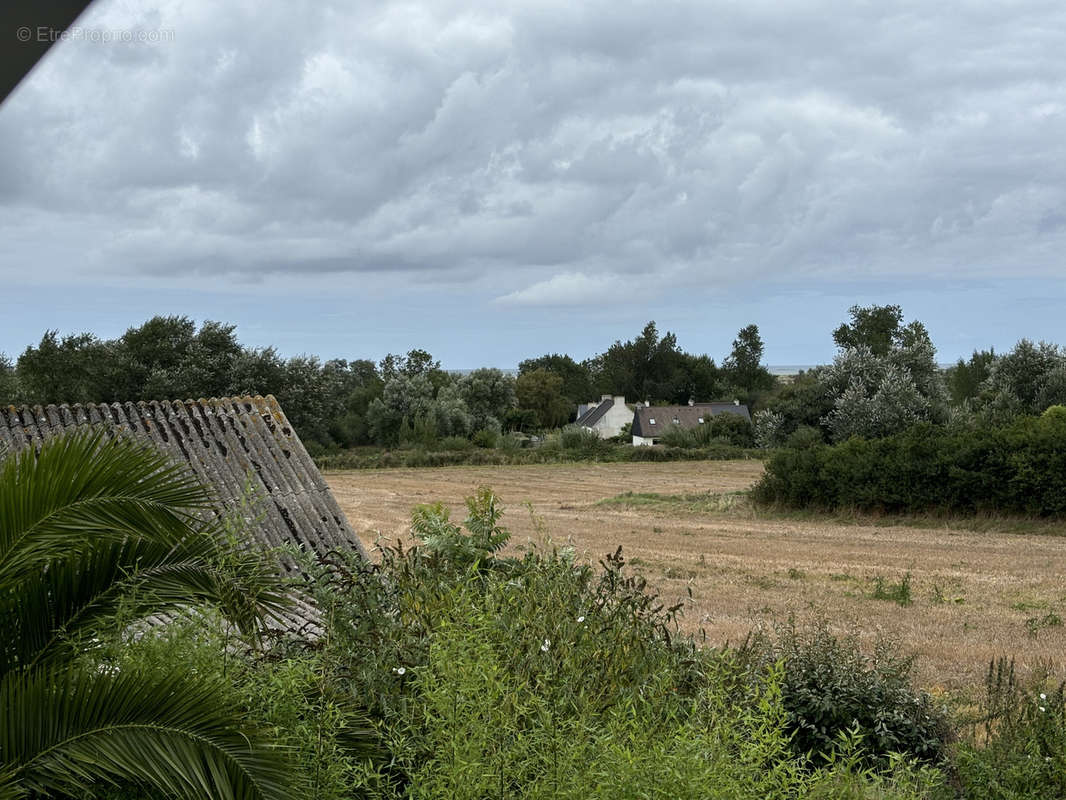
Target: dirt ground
(974, 595)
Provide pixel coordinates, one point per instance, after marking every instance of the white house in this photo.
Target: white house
(605, 417)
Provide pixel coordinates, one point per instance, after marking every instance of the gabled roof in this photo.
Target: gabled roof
(687, 416)
(231, 444)
(594, 415)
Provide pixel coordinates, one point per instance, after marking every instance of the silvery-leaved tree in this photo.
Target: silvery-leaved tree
(886, 384)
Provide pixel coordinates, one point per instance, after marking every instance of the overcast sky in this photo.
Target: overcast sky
(492, 181)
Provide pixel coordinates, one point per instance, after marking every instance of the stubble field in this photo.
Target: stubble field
(972, 595)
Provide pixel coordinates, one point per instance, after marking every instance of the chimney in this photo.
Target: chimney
(691, 402)
(604, 397)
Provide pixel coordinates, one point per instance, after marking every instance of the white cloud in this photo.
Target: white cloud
(575, 289)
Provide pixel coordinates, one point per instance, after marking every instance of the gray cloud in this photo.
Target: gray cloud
(545, 149)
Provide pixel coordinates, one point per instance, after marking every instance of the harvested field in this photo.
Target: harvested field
(972, 595)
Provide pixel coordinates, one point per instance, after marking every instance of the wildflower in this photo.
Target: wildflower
(581, 618)
(1042, 708)
(399, 670)
(544, 647)
(1043, 696)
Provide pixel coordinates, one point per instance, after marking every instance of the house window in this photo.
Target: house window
(651, 421)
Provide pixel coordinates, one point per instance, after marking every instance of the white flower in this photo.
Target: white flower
(1043, 696)
(399, 670)
(547, 643)
(1042, 708)
(581, 618)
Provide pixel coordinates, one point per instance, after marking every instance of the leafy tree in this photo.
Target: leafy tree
(362, 384)
(1025, 380)
(91, 527)
(488, 394)
(743, 368)
(803, 403)
(8, 381)
(258, 371)
(151, 356)
(964, 380)
(699, 379)
(646, 367)
(879, 393)
(577, 384)
(203, 369)
(67, 370)
(875, 327)
(541, 391)
(416, 362)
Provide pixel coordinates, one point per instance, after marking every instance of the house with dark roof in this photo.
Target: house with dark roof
(243, 447)
(651, 422)
(606, 417)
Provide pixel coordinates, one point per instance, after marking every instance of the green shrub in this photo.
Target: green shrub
(486, 437)
(830, 688)
(805, 437)
(573, 437)
(455, 444)
(1020, 469)
(1018, 747)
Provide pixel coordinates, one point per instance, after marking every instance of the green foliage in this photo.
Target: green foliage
(898, 592)
(1019, 469)
(576, 385)
(1026, 380)
(830, 688)
(743, 368)
(964, 380)
(446, 541)
(541, 392)
(650, 367)
(96, 533)
(725, 428)
(512, 449)
(536, 676)
(1018, 747)
(9, 391)
(71, 369)
(768, 428)
(574, 437)
(486, 437)
(878, 329)
(488, 394)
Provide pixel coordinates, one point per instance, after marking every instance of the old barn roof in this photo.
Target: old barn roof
(233, 444)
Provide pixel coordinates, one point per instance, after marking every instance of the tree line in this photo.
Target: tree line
(883, 379)
(401, 398)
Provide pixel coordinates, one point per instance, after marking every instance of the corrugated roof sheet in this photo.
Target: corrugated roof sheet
(234, 444)
(686, 416)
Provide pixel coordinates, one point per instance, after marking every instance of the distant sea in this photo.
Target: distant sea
(775, 369)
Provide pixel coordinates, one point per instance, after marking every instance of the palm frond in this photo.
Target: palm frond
(77, 598)
(82, 489)
(65, 731)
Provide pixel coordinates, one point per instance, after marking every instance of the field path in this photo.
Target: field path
(974, 595)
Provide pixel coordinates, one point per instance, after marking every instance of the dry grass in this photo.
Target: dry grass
(974, 594)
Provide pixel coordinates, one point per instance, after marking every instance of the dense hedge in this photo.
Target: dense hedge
(372, 458)
(1017, 469)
